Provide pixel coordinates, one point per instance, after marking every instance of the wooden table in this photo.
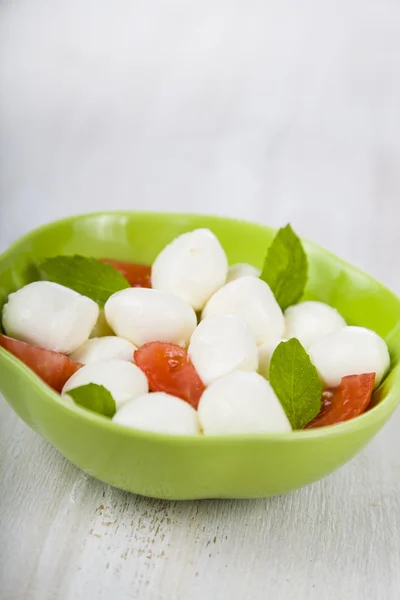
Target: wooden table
(274, 111)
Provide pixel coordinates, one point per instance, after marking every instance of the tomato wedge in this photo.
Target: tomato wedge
(54, 368)
(345, 402)
(136, 274)
(169, 370)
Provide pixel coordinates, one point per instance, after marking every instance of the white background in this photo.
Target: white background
(270, 110)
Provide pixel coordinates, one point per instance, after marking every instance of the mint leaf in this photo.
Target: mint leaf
(88, 276)
(94, 397)
(286, 267)
(295, 381)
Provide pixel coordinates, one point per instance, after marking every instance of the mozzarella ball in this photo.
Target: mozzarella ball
(159, 413)
(221, 344)
(49, 315)
(241, 270)
(193, 266)
(350, 351)
(143, 315)
(104, 348)
(241, 402)
(310, 321)
(265, 352)
(252, 299)
(121, 378)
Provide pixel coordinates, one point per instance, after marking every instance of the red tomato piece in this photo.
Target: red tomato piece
(136, 274)
(168, 369)
(53, 367)
(350, 399)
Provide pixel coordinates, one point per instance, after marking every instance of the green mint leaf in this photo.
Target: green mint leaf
(286, 267)
(295, 381)
(88, 276)
(94, 397)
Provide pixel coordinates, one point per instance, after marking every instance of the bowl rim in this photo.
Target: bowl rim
(377, 412)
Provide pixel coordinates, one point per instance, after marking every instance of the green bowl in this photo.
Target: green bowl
(235, 466)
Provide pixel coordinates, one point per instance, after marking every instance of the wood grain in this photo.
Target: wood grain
(272, 111)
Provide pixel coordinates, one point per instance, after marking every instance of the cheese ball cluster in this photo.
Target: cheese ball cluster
(227, 319)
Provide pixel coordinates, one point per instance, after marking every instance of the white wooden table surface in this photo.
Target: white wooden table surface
(273, 110)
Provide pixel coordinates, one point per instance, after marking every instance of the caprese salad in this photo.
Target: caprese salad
(191, 345)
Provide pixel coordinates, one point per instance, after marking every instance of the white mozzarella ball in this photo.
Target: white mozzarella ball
(159, 413)
(104, 348)
(121, 378)
(252, 299)
(193, 266)
(241, 270)
(310, 321)
(350, 351)
(221, 344)
(241, 402)
(143, 315)
(265, 352)
(50, 315)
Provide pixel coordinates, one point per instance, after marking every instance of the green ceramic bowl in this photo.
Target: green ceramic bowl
(161, 466)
